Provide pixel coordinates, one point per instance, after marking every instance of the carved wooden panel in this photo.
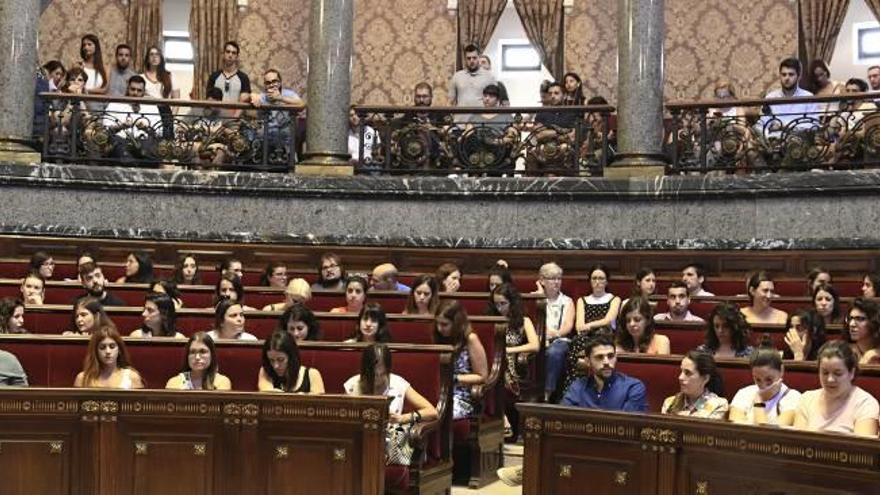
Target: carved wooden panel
(318, 463)
(31, 466)
(171, 465)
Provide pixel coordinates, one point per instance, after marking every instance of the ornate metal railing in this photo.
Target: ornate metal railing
(769, 135)
(501, 141)
(195, 134)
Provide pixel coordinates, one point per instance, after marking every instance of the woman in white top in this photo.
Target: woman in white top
(376, 378)
(200, 367)
(229, 322)
(93, 65)
(769, 400)
(158, 78)
(107, 364)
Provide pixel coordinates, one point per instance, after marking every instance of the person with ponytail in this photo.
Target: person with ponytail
(702, 389)
(769, 400)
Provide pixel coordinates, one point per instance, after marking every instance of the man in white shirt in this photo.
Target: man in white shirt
(693, 276)
(134, 126)
(678, 300)
(787, 113)
(466, 86)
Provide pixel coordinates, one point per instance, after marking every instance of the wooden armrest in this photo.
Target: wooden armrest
(419, 435)
(498, 362)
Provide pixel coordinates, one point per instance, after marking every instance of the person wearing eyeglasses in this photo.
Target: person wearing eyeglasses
(278, 128)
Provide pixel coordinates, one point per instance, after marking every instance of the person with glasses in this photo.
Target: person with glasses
(278, 125)
(331, 276)
(200, 369)
(235, 84)
(863, 330)
(558, 324)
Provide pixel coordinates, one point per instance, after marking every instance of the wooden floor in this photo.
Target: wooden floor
(513, 456)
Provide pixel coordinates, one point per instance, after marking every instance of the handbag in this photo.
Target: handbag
(398, 450)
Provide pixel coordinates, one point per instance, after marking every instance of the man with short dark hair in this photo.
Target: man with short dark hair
(134, 126)
(92, 279)
(235, 84)
(33, 289)
(789, 76)
(693, 276)
(678, 300)
(279, 129)
(874, 78)
(556, 95)
(605, 388)
(121, 72)
(466, 86)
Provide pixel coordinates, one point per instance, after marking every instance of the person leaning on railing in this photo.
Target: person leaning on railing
(135, 127)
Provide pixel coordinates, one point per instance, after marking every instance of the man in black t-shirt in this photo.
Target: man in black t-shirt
(235, 84)
(92, 279)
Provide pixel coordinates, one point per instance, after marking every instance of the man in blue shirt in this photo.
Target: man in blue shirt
(605, 388)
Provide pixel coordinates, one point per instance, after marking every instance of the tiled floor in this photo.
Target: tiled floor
(512, 457)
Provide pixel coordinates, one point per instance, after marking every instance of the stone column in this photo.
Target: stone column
(640, 35)
(19, 22)
(329, 88)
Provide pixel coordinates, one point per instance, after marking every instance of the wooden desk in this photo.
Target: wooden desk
(577, 451)
(113, 442)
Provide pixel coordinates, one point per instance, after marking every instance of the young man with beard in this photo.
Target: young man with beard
(331, 276)
(121, 72)
(92, 279)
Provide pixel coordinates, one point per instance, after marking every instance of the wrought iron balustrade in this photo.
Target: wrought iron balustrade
(771, 135)
(149, 132)
(498, 141)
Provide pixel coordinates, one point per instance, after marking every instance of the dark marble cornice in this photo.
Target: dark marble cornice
(440, 242)
(288, 185)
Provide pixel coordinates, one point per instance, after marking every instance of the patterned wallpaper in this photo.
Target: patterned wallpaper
(64, 22)
(397, 44)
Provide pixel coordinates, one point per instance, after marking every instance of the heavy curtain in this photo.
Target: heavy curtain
(211, 24)
(544, 25)
(874, 5)
(476, 22)
(144, 29)
(820, 23)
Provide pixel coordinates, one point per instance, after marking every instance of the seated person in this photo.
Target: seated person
(170, 288)
(644, 284)
(470, 366)
(33, 289)
(839, 406)
(448, 277)
(355, 295)
(229, 322)
(693, 276)
(186, 270)
(61, 114)
(12, 315)
(138, 269)
(805, 335)
(300, 322)
(863, 325)
(282, 369)
(826, 301)
(816, 277)
(229, 287)
(727, 335)
(107, 364)
(636, 320)
(424, 298)
(199, 371)
(11, 372)
(558, 323)
(702, 391)
(275, 275)
(498, 274)
(212, 132)
(769, 400)
(135, 127)
(92, 279)
(870, 285)
(42, 264)
(160, 318)
(376, 378)
(372, 325)
(384, 277)
(604, 388)
(297, 292)
(761, 294)
(231, 266)
(331, 275)
(678, 300)
(89, 317)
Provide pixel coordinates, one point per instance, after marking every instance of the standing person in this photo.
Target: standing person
(558, 325)
(604, 388)
(787, 113)
(503, 98)
(93, 64)
(235, 84)
(839, 406)
(466, 85)
(282, 369)
(573, 89)
(107, 364)
(874, 78)
(200, 369)
(121, 71)
(702, 390)
(159, 86)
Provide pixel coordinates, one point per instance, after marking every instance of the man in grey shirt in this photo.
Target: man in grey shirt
(466, 86)
(121, 72)
(11, 372)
